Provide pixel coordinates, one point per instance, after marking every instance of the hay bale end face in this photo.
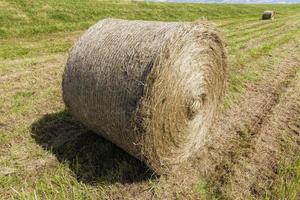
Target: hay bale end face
(152, 88)
(268, 15)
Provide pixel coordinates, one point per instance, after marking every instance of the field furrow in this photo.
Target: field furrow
(252, 152)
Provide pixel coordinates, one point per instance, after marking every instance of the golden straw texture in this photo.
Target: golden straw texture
(268, 15)
(152, 88)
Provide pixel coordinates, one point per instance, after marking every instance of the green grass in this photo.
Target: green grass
(44, 153)
(288, 182)
(25, 18)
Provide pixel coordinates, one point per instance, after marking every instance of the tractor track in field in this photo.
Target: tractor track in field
(276, 141)
(253, 29)
(230, 146)
(233, 141)
(231, 161)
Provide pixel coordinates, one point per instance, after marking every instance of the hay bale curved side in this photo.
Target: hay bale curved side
(268, 15)
(152, 88)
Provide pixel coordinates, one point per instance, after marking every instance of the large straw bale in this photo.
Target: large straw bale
(268, 15)
(152, 88)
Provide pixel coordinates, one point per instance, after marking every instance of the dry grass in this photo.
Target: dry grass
(154, 97)
(38, 157)
(246, 151)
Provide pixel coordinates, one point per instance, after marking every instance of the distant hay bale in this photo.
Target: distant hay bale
(152, 88)
(268, 15)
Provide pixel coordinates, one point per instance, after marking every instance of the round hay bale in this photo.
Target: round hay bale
(152, 88)
(268, 15)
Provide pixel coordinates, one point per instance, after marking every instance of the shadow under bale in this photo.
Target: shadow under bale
(91, 157)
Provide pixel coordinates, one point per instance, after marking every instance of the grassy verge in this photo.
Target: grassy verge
(44, 153)
(287, 185)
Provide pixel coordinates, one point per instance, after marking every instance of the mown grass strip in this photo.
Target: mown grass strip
(55, 16)
(29, 95)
